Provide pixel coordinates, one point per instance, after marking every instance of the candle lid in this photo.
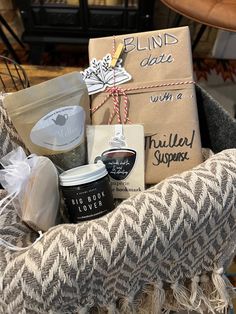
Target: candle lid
(83, 174)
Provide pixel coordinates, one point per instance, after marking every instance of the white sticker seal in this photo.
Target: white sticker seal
(61, 129)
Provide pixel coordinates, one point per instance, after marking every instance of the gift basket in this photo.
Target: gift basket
(163, 248)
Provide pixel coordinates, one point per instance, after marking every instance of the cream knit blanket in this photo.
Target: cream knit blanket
(164, 249)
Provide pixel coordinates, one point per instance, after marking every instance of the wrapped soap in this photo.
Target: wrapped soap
(32, 186)
(150, 84)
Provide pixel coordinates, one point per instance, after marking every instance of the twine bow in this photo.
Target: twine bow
(115, 92)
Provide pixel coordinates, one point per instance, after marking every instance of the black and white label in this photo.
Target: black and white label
(61, 129)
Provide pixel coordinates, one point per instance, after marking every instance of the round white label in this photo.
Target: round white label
(61, 129)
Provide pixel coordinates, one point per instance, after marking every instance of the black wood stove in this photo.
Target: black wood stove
(75, 21)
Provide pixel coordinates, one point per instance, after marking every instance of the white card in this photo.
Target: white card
(121, 148)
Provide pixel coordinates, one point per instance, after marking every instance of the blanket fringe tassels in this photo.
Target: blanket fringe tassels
(158, 298)
(154, 300)
(224, 291)
(195, 290)
(127, 305)
(111, 309)
(210, 293)
(205, 293)
(198, 298)
(181, 295)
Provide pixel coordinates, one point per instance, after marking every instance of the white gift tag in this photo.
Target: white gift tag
(101, 75)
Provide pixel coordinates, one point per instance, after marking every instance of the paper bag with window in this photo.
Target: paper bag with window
(151, 84)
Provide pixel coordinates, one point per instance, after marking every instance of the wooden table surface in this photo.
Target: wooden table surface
(36, 74)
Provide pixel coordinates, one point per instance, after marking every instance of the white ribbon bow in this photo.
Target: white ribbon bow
(14, 176)
(16, 172)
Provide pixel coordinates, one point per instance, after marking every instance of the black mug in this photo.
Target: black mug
(119, 162)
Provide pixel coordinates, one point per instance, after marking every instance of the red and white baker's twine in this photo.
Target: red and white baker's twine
(117, 91)
(114, 91)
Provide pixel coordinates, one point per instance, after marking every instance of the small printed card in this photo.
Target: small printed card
(121, 148)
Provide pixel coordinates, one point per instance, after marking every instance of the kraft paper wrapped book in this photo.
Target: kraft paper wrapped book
(152, 85)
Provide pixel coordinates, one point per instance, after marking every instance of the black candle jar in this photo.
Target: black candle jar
(87, 192)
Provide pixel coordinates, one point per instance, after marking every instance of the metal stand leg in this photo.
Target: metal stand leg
(199, 36)
(9, 46)
(10, 30)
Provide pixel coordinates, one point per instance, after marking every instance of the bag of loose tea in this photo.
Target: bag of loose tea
(50, 118)
(151, 84)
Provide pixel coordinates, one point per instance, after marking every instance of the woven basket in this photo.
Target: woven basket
(129, 261)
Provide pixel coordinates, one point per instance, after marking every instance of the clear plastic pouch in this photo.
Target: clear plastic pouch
(50, 118)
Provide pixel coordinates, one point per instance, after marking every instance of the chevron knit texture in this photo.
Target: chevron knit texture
(164, 249)
(9, 138)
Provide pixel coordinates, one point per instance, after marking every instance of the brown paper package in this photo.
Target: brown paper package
(168, 112)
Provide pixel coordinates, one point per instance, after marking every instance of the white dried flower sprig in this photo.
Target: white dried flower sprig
(100, 75)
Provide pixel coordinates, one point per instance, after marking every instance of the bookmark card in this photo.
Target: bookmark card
(121, 148)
